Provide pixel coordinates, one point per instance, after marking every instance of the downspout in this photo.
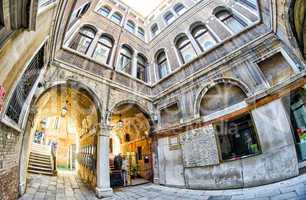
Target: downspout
(114, 63)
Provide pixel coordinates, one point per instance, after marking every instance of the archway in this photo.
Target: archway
(130, 142)
(297, 18)
(63, 127)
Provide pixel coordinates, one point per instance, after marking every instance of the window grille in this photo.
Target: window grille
(25, 86)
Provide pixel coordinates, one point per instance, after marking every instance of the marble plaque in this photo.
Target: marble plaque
(199, 147)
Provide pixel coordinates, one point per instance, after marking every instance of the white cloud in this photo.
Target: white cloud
(144, 7)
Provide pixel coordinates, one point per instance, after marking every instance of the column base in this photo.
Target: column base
(103, 193)
(22, 188)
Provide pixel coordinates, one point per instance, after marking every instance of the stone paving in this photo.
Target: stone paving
(69, 187)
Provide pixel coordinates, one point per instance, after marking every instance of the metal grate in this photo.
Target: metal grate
(25, 86)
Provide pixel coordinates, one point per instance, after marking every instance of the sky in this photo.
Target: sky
(144, 7)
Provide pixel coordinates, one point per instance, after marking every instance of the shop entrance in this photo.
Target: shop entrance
(130, 146)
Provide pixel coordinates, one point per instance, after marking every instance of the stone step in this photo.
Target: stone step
(40, 157)
(40, 172)
(41, 154)
(46, 165)
(47, 162)
(49, 169)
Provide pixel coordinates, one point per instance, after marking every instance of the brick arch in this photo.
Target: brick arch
(204, 89)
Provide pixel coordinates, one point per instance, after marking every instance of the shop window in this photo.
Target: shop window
(104, 11)
(162, 64)
(141, 68)
(203, 36)
(125, 59)
(297, 105)
(83, 39)
(233, 22)
(170, 115)
(237, 138)
(275, 69)
(25, 86)
(104, 49)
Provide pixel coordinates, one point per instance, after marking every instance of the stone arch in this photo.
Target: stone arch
(40, 93)
(204, 89)
(132, 102)
(296, 24)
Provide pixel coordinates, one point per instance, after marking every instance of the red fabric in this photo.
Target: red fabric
(2, 95)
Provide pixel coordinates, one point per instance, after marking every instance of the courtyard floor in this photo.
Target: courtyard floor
(68, 187)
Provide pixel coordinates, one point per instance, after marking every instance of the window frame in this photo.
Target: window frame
(160, 63)
(153, 31)
(117, 15)
(123, 55)
(144, 66)
(81, 34)
(102, 10)
(231, 16)
(168, 20)
(130, 26)
(255, 135)
(181, 45)
(110, 48)
(178, 8)
(197, 36)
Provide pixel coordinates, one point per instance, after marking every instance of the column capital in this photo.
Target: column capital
(105, 129)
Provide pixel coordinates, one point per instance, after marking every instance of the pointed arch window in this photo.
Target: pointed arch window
(83, 39)
(104, 11)
(130, 26)
(117, 18)
(203, 37)
(104, 49)
(142, 68)
(185, 48)
(234, 23)
(125, 59)
(180, 9)
(169, 17)
(162, 64)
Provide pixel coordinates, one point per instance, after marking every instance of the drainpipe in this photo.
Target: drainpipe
(115, 60)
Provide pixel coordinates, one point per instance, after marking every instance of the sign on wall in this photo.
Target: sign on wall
(199, 147)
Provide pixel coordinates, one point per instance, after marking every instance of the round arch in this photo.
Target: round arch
(25, 147)
(134, 103)
(204, 89)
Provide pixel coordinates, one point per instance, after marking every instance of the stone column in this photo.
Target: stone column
(103, 188)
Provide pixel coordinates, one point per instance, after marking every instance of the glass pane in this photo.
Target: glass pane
(180, 9)
(169, 18)
(141, 72)
(116, 18)
(104, 11)
(233, 24)
(101, 53)
(206, 41)
(188, 53)
(125, 64)
(163, 69)
(130, 27)
(83, 44)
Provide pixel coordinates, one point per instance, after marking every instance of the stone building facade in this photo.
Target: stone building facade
(197, 69)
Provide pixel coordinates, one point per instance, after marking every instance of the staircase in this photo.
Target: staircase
(40, 161)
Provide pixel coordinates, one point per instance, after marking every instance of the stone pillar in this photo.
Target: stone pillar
(134, 64)
(103, 188)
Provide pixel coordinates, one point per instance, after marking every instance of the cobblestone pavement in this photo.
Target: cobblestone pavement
(69, 187)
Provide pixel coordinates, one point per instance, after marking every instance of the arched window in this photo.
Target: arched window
(130, 26)
(203, 37)
(169, 17)
(154, 29)
(104, 11)
(249, 3)
(180, 9)
(125, 59)
(141, 68)
(234, 23)
(103, 50)
(185, 48)
(116, 17)
(162, 64)
(141, 32)
(221, 96)
(82, 41)
(85, 8)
